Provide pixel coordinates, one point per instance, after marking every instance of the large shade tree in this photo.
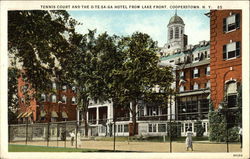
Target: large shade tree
(141, 71)
(37, 40)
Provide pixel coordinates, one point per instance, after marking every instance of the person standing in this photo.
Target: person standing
(240, 136)
(189, 142)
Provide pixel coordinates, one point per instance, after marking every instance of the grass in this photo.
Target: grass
(29, 148)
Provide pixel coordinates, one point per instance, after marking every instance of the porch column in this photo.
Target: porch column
(87, 116)
(145, 110)
(97, 115)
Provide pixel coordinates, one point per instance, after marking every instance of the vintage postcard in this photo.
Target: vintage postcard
(124, 79)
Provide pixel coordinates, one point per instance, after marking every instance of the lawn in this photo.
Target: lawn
(29, 148)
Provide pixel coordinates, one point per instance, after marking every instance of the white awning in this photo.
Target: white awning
(54, 114)
(64, 115)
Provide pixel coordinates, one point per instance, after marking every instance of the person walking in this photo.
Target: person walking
(72, 138)
(240, 136)
(189, 142)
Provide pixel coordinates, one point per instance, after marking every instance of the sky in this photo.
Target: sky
(152, 22)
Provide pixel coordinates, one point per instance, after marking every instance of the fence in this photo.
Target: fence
(116, 135)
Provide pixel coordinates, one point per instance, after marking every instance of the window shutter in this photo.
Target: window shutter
(238, 48)
(224, 52)
(224, 24)
(198, 72)
(205, 70)
(192, 73)
(237, 20)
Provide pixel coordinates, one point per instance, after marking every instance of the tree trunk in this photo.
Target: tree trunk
(85, 123)
(134, 103)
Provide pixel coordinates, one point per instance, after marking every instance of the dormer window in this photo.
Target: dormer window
(231, 23)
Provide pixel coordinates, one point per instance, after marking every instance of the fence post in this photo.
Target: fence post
(9, 133)
(57, 134)
(76, 134)
(26, 132)
(48, 136)
(114, 134)
(65, 135)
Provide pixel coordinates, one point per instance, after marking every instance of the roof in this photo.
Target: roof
(185, 52)
(176, 20)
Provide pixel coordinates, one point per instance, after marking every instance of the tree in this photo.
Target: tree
(12, 94)
(141, 71)
(37, 40)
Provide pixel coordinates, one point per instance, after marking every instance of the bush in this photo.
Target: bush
(217, 126)
(199, 128)
(175, 129)
(233, 135)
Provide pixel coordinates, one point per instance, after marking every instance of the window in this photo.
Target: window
(188, 125)
(73, 101)
(24, 88)
(43, 98)
(126, 128)
(161, 127)
(53, 98)
(231, 23)
(64, 87)
(232, 94)
(119, 128)
(231, 50)
(171, 33)
(181, 75)
(152, 111)
(196, 73)
(176, 35)
(64, 99)
(73, 89)
(196, 86)
(53, 85)
(22, 100)
(181, 89)
(207, 70)
(151, 127)
(208, 84)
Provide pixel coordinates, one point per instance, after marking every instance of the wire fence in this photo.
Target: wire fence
(109, 135)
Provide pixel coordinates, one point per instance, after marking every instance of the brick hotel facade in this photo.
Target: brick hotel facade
(226, 56)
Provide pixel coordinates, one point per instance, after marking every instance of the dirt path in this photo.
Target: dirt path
(142, 146)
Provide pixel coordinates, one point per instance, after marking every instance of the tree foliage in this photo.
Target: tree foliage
(36, 40)
(12, 95)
